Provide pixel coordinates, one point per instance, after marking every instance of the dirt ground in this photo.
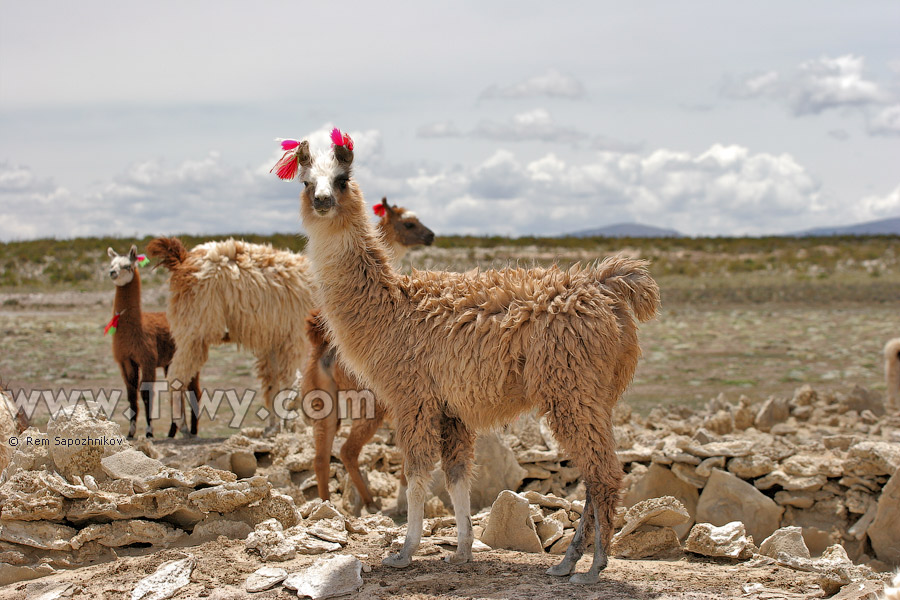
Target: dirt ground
(223, 565)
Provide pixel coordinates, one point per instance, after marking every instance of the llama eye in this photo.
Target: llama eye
(341, 183)
(307, 183)
(409, 225)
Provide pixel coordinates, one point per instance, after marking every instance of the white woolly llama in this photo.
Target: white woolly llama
(255, 296)
(452, 354)
(892, 373)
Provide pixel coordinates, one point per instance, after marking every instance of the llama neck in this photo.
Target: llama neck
(396, 250)
(358, 288)
(128, 300)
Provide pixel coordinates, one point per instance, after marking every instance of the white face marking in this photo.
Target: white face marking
(121, 270)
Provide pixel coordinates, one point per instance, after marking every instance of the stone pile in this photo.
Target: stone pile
(71, 495)
(825, 463)
(820, 462)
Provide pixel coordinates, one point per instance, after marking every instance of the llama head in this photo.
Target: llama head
(122, 268)
(327, 178)
(402, 227)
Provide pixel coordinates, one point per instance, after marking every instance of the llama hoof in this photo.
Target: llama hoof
(584, 578)
(560, 570)
(397, 561)
(149, 434)
(458, 559)
(173, 429)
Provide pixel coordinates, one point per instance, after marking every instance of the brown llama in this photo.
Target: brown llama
(325, 372)
(141, 341)
(255, 296)
(452, 354)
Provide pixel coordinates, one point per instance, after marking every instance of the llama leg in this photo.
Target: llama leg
(194, 390)
(323, 435)
(600, 559)
(360, 433)
(457, 455)
(190, 356)
(131, 377)
(267, 371)
(402, 504)
(148, 378)
(576, 548)
(421, 441)
(415, 497)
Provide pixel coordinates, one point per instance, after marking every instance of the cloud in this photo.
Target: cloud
(886, 121)
(875, 207)
(813, 87)
(439, 129)
(535, 125)
(724, 190)
(551, 84)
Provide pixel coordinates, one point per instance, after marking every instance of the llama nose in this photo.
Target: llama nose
(112, 274)
(429, 238)
(323, 203)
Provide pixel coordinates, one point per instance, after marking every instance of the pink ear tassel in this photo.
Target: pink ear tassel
(337, 137)
(378, 209)
(288, 144)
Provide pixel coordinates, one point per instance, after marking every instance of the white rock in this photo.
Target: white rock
(327, 577)
(727, 498)
(787, 540)
(264, 578)
(730, 541)
(165, 581)
(510, 524)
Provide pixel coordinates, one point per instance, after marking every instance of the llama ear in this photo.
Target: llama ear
(387, 207)
(344, 156)
(303, 156)
(132, 253)
(111, 253)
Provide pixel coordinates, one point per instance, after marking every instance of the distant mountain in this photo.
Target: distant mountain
(620, 230)
(881, 227)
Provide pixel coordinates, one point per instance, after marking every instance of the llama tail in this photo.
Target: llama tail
(628, 279)
(169, 250)
(892, 372)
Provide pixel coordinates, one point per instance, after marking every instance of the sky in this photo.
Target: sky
(508, 118)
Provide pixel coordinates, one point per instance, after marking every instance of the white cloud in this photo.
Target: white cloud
(440, 129)
(886, 121)
(536, 124)
(725, 190)
(874, 207)
(551, 84)
(814, 87)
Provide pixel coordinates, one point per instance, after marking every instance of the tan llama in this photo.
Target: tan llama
(255, 296)
(453, 354)
(141, 341)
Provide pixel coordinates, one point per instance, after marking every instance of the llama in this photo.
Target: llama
(141, 341)
(255, 296)
(892, 589)
(892, 373)
(452, 354)
(324, 371)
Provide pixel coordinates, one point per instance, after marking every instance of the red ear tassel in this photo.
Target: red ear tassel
(341, 139)
(287, 166)
(378, 209)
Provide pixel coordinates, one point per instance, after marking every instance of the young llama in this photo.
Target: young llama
(141, 341)
(255, 296)
(452, 354)
(892, 374)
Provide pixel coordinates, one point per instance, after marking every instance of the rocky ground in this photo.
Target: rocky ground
(783, 498)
